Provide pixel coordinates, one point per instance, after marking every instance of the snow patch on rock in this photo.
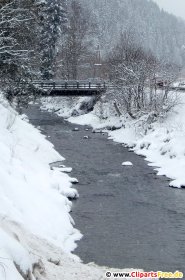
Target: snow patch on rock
(127, 163)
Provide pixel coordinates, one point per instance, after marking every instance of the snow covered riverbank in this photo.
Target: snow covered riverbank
(31, 194)
(161, 142)
(37, 233)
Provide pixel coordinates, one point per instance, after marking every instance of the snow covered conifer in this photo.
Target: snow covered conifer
(52, 22)
(16, 51)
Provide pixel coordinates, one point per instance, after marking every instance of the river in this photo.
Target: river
(129, 216)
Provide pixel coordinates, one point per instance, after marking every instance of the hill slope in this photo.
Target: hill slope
(154, 29)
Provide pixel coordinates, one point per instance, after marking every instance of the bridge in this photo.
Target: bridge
(81, 88)
(70, 88)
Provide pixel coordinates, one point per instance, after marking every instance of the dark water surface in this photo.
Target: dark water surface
(129, 216)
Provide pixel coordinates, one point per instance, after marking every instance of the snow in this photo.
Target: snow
(29, 190)
(39, 259)
(88, 119)
(127, 163)
(37, 234)
(65, 107)
(12, 251)
(31, 194)
(63, 169)
(162, 143)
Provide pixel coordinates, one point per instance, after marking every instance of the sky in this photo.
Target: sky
(177, 7)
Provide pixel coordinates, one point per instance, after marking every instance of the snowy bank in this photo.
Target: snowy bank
(31, 194)
(161, 142)
(68, 106)
(29, 257)
(36, 230)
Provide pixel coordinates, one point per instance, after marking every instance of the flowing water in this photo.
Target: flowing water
(129, 216)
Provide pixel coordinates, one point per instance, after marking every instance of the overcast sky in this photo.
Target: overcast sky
(176, 7)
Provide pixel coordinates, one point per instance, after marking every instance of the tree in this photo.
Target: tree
(75, 51)
(52, 18)
(128, 64)
(15, 50)
(134, 72)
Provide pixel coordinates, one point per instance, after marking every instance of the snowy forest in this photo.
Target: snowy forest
(127, 43)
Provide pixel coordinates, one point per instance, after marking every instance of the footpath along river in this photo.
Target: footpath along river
(129, 216)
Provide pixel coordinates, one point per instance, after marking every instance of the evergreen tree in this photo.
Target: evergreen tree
(52, 25)
(16, 51)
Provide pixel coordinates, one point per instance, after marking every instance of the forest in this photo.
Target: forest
(131, 44)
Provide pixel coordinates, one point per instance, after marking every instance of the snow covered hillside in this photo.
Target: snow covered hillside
(161, 142)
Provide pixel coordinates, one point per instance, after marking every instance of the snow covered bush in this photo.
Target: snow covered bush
(133, 72)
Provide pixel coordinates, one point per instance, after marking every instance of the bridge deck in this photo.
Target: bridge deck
(75, 88)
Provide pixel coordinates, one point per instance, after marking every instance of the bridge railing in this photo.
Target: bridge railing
(67, 85)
